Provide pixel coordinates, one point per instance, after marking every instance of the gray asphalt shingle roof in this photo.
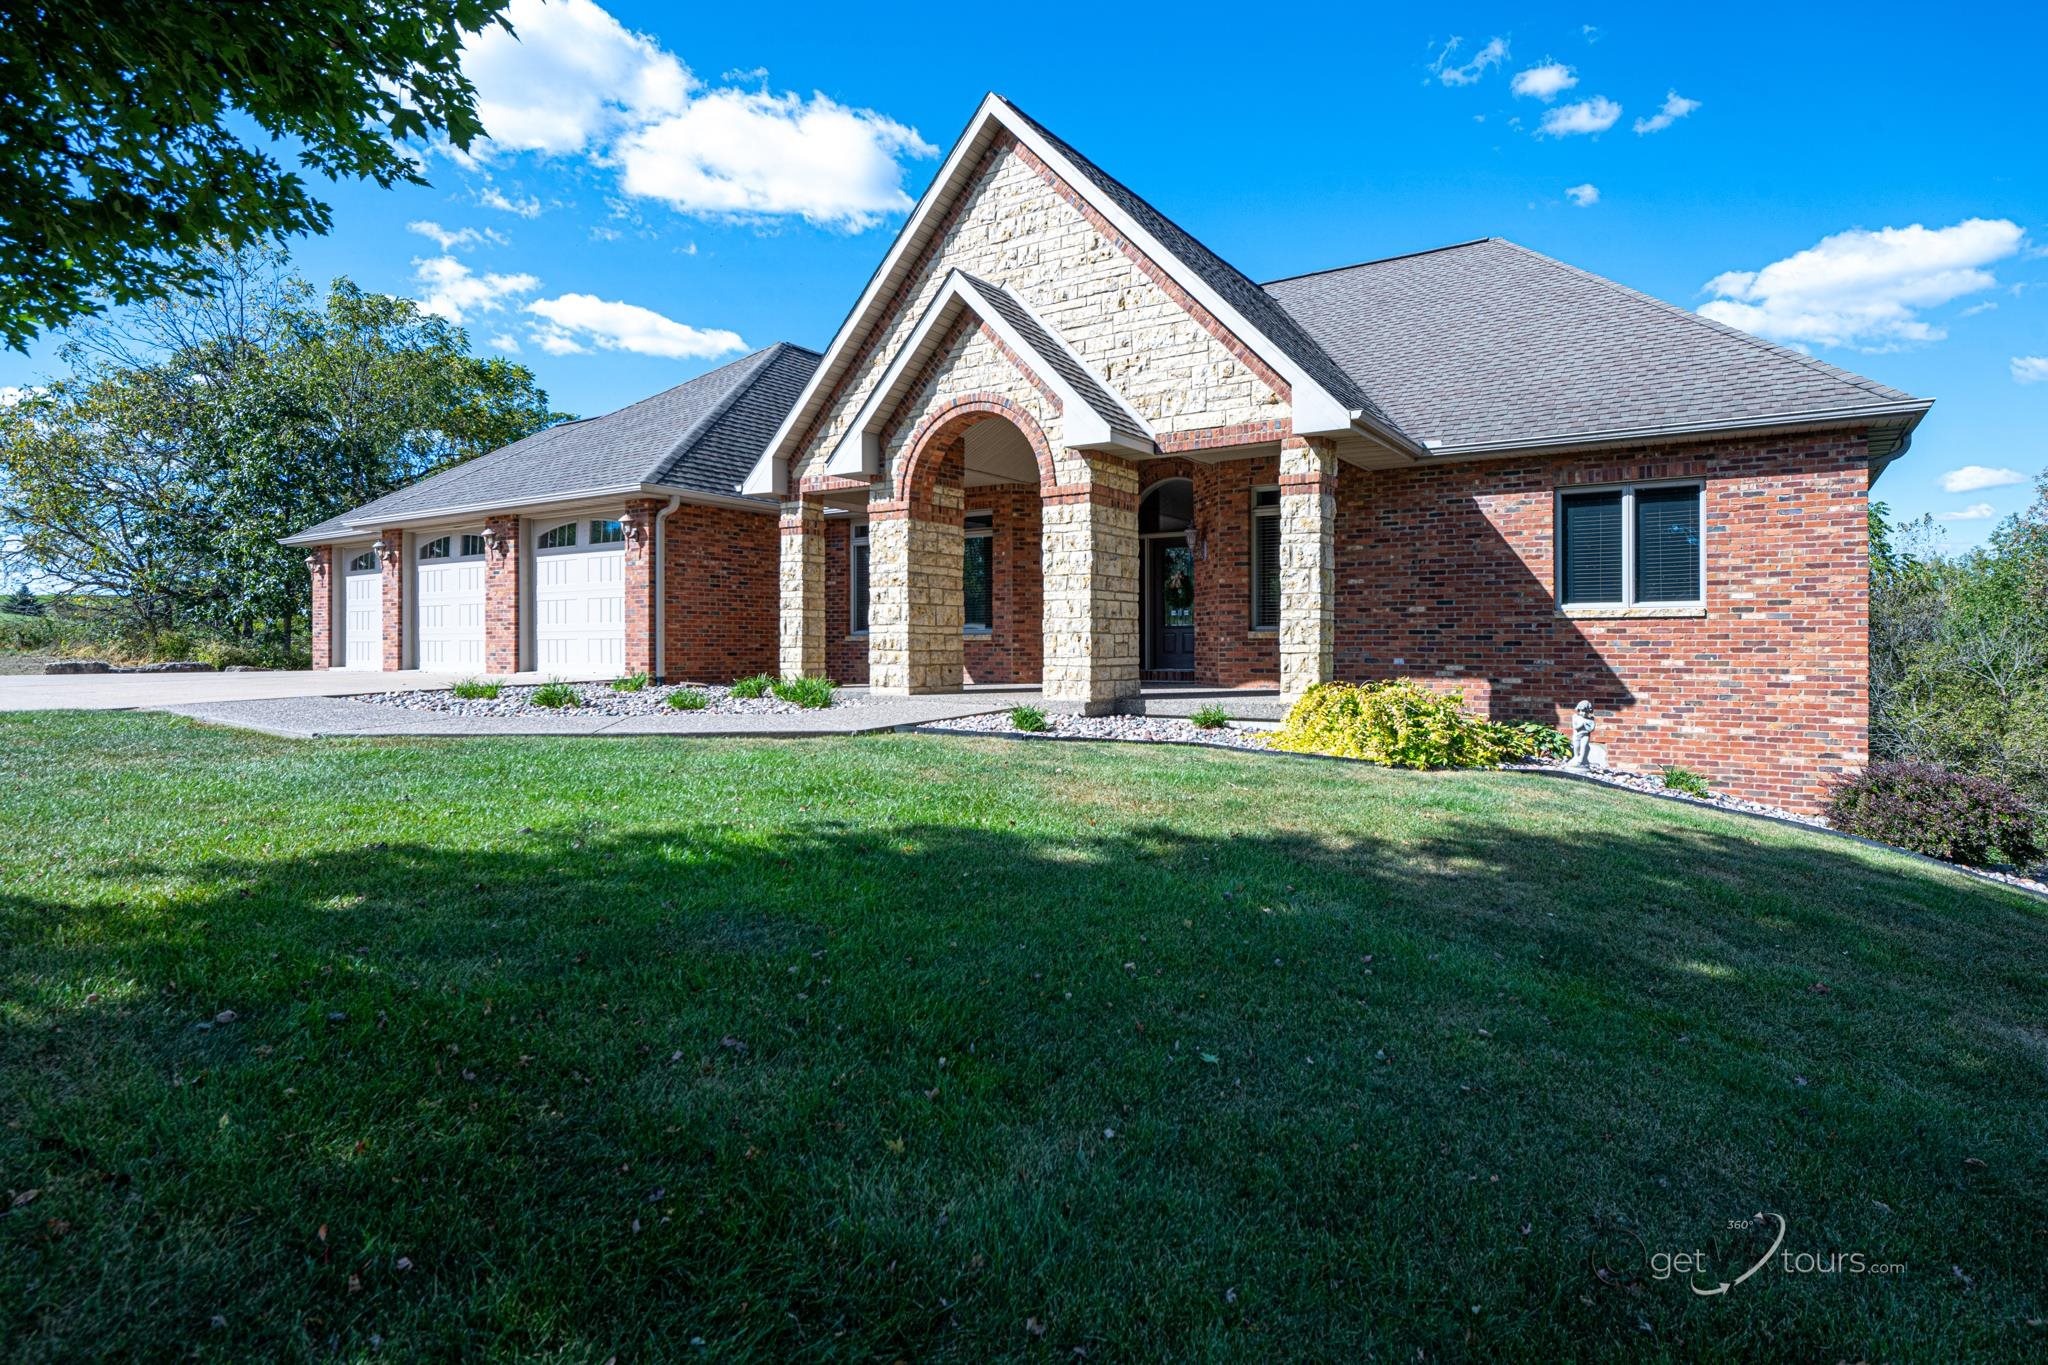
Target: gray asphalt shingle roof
(698, 437)
(1489, 344)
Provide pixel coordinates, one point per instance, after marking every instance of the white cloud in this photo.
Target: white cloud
(10, 394)
(1595, 115)
(506, 342)
(1976, 511)
(457, 293)
(1545, 82)
(750, 154)
(1975, 478)
(1585, 196)
(1676, 107)
(574, 323)
(576, 82)
(604, 234)
(2030, 369)
(492, 197)
(458, 238)
(1864, 289)
(1493, 54)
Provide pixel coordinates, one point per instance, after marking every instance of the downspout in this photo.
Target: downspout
(661, 589)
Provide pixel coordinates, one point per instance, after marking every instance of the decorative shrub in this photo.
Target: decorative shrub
(809, 693)
(632, 682)
(1210, 717)
(23, 603)
(1400, 724)
(477, 689)
(555, 695)
(687, 699)
(1029, 719)
(747, 689)
(1526, 739)
(1957, 817)
(1684, 780)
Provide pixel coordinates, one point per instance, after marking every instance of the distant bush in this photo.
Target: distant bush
(1684, 780)
(1399, 724)
(1957, 817)
(1210, 717)
(809, 693)
(747, 689)
(23, 603)
(555, 695)
(632, 682)
(1030, 719)
(1526, 739)
(687, 699)
(476, 689)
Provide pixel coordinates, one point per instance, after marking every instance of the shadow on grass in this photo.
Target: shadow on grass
(957, 1092)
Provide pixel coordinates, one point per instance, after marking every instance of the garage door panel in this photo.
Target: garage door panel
(449, 597)
(579, 600)
(362, 618)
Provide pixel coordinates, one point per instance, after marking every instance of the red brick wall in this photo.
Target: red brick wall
(503, 565)
(722, 594)
(1014, 648)
(638, 523)
(394, 599)
(1446, 574)
(320, 568)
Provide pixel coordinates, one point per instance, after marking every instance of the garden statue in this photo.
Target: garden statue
(1582, 736)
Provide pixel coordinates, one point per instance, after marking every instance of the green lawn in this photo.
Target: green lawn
(936, 1049)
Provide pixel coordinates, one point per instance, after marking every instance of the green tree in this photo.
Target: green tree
(23, 603)
(195, 431)
(122, 164)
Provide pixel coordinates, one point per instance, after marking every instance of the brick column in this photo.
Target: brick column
(1090, 547)
(916, 599)
(1308, 564)
(504, 566)
(638, 524)
(394, 599)
(803, 589)
(320, 622)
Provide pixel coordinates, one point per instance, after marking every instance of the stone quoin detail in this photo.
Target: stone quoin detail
(803, 589)
(1308, 564)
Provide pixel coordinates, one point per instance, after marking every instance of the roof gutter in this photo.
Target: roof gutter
(629, 490)
(1912, 410)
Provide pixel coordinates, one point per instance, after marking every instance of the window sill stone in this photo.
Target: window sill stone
(1650, 613)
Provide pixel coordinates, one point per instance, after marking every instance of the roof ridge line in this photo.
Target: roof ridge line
(1381, 260)
(1836, 372)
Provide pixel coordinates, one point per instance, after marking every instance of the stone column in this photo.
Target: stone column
(320, 623)
(1089, 534)
(638, 523)
(394, 567)
(916, 599)
(802, 631)
(1308, 564)
(504, 566)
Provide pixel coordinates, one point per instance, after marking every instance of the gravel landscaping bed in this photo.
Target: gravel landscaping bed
(1130, 729)
(598, 698)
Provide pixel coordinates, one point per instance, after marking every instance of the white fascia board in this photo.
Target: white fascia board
(859, 452)
(1887, 414)
(560, 501)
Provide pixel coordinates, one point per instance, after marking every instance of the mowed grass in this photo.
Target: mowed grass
(961, 1050)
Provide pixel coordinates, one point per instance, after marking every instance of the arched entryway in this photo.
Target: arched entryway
(1166, 534)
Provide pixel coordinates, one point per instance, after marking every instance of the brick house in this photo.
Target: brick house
(1059, 441)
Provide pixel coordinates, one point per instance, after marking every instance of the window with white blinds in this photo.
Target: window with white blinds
(1626, 547)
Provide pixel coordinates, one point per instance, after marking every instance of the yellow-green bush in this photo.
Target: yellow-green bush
(1401, 724)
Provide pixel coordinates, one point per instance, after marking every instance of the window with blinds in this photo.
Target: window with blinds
(1625, 547)
(860, 579)
(1266, 559)
(977, 572)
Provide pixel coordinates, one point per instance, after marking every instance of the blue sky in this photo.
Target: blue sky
(665, 187)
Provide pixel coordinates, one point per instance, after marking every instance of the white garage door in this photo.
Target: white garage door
(362, 611)
(580, 598)
(450, 597)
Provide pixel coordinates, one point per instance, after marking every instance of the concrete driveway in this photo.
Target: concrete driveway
(133, 691)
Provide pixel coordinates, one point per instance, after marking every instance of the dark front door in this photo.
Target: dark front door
(1170, 566)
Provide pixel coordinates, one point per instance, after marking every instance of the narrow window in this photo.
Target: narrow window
(435, 549)
(607, 533)
(1625, 547)
(977, 573)
(860, 579)
(472, 546)
(563, 537)
(1266, 559)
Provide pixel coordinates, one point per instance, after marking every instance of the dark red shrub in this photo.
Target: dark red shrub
(1957, 817)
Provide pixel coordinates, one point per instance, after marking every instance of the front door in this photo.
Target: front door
(1170, 604)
